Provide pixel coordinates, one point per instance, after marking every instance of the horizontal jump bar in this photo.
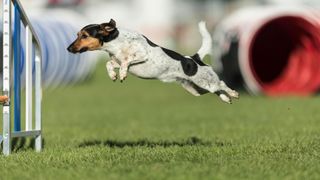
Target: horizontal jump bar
(26, 133)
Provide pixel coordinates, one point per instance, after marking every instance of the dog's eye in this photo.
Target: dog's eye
(84, 36)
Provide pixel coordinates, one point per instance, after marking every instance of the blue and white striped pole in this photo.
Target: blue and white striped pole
(17, 70)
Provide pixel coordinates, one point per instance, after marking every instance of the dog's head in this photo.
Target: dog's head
(93, 36)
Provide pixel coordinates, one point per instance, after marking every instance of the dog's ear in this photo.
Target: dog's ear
(112, 23)
(108, 27)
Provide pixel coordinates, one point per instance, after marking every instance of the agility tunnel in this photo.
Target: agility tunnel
(59, 66)
(270, 50)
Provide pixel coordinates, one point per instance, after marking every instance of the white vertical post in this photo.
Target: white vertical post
(29, 50)
(7, 56)
(38, 99)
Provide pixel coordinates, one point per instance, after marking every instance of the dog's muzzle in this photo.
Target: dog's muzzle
(71, 48)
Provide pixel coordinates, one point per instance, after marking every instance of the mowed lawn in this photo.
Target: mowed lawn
(145, 129)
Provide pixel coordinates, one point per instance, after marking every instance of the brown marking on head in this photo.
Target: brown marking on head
(84, 42)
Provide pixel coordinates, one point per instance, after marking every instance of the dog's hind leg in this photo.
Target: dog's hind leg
(223, 97)
(192, 88)
(229, 91)
(218, 90)
(208, 80)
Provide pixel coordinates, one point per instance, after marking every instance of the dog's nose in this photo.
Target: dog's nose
(69, 48)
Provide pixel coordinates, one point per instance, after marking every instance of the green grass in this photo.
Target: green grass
(150, 130)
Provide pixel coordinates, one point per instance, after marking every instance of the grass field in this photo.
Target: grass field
(150, 130)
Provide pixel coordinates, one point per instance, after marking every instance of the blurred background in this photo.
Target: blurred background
(262, 46)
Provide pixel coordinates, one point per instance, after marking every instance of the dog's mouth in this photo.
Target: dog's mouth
(84, 49)
(74, 50)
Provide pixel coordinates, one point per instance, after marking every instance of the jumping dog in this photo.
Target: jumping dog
(133, 52)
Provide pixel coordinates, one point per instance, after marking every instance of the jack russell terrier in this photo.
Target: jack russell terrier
(133, 52)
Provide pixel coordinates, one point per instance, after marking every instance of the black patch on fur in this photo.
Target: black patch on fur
(197, 59)
(91, 26)
(150, 42)
(93, 30)
(111, 36)
(189, 66)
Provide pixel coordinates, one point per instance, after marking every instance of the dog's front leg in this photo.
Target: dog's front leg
(110, 66)
(124, 67)
(123, 71)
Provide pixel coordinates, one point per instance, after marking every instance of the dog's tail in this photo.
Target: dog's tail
(206, 46)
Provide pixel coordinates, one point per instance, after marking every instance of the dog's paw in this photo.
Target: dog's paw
(234, 94)
(225, 98)
(123, 76)
(113, 75)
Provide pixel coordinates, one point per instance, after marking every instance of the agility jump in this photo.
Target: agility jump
(12, 43)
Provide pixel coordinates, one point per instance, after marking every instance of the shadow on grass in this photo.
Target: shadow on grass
(192, 141)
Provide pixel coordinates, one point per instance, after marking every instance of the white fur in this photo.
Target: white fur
(133, 53)
(206, 46)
